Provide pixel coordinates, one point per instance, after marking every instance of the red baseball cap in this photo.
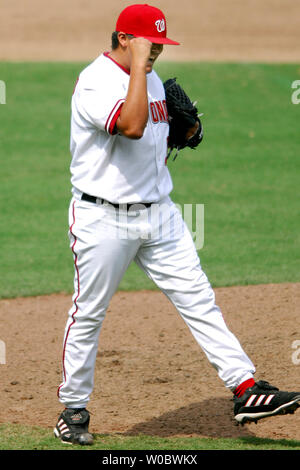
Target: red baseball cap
(144, 21)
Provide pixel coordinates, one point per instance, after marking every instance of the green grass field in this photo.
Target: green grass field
(16, 437)
(246, 173)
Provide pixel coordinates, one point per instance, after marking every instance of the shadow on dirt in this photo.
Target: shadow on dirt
(208, 418)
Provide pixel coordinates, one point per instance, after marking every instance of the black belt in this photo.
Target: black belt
(136, 206)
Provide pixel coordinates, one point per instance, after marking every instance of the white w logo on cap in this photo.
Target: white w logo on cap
(160, 25)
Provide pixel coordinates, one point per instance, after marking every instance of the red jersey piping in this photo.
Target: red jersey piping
(75, 301)
(106, 54)
(113, 116)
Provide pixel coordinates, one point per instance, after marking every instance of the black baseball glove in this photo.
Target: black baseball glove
(185, 126)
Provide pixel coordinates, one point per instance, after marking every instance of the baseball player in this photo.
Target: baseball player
(121, 211)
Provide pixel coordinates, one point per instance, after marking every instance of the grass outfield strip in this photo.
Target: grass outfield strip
(17, 437)
(246, 173)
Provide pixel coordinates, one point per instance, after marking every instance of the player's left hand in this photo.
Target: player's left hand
(192, 131)
(185, 126)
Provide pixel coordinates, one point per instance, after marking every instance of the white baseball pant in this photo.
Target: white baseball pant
(104, 242)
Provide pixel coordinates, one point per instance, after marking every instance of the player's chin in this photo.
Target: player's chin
(149, 66)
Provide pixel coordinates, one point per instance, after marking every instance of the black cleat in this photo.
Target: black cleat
(262, 401)
(72, 427)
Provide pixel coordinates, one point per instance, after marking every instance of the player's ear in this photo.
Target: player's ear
(123, 39)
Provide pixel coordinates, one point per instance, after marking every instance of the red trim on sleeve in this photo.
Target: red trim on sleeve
(112, 128)
(113, 116)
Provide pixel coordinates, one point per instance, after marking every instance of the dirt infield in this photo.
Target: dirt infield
(151, 376)
(243, 30)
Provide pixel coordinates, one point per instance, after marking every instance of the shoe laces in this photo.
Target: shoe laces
(77, 417)
(265, 385)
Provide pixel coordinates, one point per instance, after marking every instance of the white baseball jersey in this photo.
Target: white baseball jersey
(104, 163)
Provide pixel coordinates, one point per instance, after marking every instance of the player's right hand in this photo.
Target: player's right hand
(140, 49)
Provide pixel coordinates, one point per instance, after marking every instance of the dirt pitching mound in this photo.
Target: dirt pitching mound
(151, 377)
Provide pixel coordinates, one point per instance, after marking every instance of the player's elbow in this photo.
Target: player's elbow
(131, 128)
(134, 133)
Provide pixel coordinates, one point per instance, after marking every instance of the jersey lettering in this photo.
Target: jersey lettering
(159, 112)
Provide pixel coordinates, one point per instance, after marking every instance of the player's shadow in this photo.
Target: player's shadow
(208, 418)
